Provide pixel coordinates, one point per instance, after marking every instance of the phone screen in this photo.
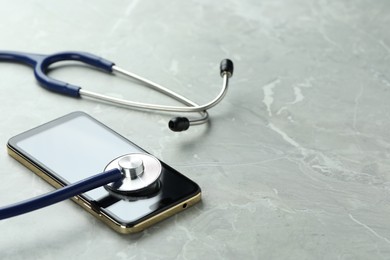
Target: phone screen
(77, 146)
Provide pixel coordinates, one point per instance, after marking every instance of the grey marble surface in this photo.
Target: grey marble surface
(294, 164)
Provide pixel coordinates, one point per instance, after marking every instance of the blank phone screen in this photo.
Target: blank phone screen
(77, 146)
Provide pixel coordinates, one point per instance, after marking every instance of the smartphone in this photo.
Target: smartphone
(77, 146)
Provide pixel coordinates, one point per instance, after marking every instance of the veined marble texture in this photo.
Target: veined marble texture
(295, 163)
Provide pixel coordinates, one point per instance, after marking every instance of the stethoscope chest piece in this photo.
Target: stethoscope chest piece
(140, 172)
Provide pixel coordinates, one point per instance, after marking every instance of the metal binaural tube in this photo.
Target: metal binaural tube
(178, 123)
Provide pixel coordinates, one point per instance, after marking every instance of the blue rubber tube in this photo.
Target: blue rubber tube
(41, 63)
(60, 194)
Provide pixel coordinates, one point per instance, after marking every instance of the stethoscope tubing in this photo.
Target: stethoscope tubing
(61, 194)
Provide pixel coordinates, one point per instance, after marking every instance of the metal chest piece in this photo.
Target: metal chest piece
(139, 172)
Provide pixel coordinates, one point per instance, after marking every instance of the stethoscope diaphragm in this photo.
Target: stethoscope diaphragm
(140, 175)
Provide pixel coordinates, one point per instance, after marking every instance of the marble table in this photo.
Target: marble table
(294, 164)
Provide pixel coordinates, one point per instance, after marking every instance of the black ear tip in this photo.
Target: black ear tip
(227, 67)
(178, 124)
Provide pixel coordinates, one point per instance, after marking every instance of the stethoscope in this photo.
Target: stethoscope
(130, 176)
(41, 64)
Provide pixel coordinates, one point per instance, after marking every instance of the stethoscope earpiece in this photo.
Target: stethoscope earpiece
(227, 67)
(178, 124)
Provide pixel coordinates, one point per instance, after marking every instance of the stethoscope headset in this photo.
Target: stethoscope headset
(130, 176)
(41, 63)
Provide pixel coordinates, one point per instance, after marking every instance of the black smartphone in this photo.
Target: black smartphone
(77, 146)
